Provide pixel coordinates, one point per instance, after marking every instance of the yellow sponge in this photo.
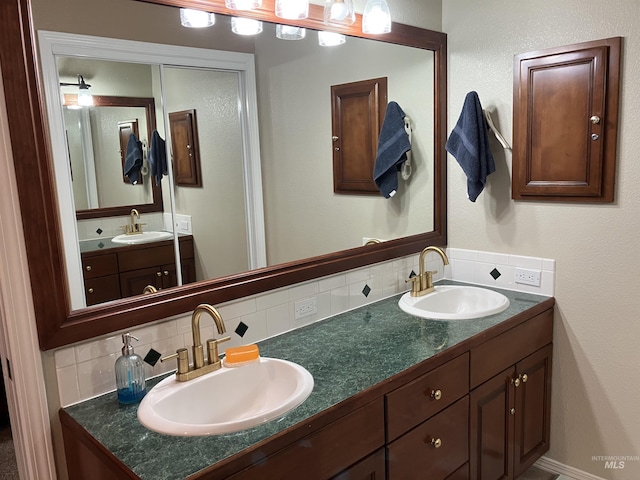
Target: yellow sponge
(236, 356)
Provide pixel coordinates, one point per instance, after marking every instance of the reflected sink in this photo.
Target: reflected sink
(144, 237)
(227, 400)
(455, 302)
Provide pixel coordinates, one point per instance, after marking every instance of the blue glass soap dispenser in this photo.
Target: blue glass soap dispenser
(130, 376)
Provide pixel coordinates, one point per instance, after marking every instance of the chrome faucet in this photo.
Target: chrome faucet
(423, 283)
(199, 368)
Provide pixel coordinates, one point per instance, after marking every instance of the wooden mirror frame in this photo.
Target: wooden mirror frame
(57, 325)
(149, 105)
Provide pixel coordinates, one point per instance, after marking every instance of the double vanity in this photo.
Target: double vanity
(394, 396)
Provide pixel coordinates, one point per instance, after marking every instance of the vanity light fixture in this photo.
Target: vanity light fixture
(196, 18)
(85, 99)
(339, 12)
(243, 4)
(245, 26)
(376, 17)
(289, 32)
(293, 9)
(330, 39)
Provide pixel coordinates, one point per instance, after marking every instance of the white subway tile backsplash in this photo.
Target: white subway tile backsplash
(86, 370)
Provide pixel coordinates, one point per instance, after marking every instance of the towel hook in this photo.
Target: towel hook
(407, 169)
(495, 130)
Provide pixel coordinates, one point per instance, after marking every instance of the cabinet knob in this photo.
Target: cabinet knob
(88, 268)
(516, 382)
(525, 377)
(512, 411)
(436, 394)
(595, 119)
(90, 290)
(166, 273)
(436, 442)
(159, 274)
(335, 138)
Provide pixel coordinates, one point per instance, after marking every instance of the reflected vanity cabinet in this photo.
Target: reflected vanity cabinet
(478, 410)
(125, 271)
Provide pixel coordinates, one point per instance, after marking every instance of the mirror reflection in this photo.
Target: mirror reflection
(290, 186)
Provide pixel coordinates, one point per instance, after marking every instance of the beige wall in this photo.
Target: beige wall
(595, 395)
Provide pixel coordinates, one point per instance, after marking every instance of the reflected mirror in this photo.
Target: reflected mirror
(66, 321)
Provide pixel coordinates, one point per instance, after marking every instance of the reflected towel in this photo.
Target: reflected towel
(157, 157)
(469, 144)
(133, 160)
(393, 145)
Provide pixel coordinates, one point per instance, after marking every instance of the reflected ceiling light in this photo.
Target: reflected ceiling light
(288, 32)
(196, 18)
(293, 9)
(330, 39)
(376, 17)
(245, 26)
(243, 4)
(85, 99)
(339, 12)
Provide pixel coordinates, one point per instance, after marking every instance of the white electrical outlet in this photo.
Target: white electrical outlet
(306, 307)
(528, 277)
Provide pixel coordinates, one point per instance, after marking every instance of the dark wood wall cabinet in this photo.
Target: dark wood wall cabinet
(125, 271)
(565, 122)
(185, 148)
(478, 410)
(357, 113)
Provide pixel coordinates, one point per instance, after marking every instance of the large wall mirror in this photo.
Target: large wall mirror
(288, 134)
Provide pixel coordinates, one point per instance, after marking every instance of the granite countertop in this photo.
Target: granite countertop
(390, 340)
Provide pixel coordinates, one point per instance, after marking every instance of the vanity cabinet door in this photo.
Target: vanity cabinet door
(433, 450)
(510, 419)
(133, 282)
(371, 468)
(533, 413)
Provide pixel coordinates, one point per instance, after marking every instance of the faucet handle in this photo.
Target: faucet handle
(212, 349)
(182, 354)
(415, 284)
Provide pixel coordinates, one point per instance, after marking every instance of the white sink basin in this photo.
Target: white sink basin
(227, 400)
(455, 302)
(144, 237)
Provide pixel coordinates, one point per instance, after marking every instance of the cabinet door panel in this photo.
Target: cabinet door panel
(491, 428)
(133, 282)
(102, 289)
(371, 468)
(414, 455)
(533, 399)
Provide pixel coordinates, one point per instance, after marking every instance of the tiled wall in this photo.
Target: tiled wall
(109, 227)
(86, 370)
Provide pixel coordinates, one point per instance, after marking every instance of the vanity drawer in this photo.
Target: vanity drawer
(418, 400)
(328, 451)
(146, 257)
(99, 265)
(415, 454)
(508, 348)
(102, 289)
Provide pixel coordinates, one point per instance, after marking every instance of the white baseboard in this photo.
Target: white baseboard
(556, 467)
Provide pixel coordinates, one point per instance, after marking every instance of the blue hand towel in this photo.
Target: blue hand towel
(469, 144)
(133, 160)
(157, 157)
(393, 145)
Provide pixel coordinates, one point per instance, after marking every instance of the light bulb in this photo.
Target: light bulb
(243, 4)
(293, 9)
(376, 17)
(330, 39)
(288, 32)
(196, 18)
(339, 12)
(245, 26)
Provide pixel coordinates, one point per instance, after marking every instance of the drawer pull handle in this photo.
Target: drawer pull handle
(525, 377)
(436, 442)
(91, 290)
(436, 394)
(88, 268)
